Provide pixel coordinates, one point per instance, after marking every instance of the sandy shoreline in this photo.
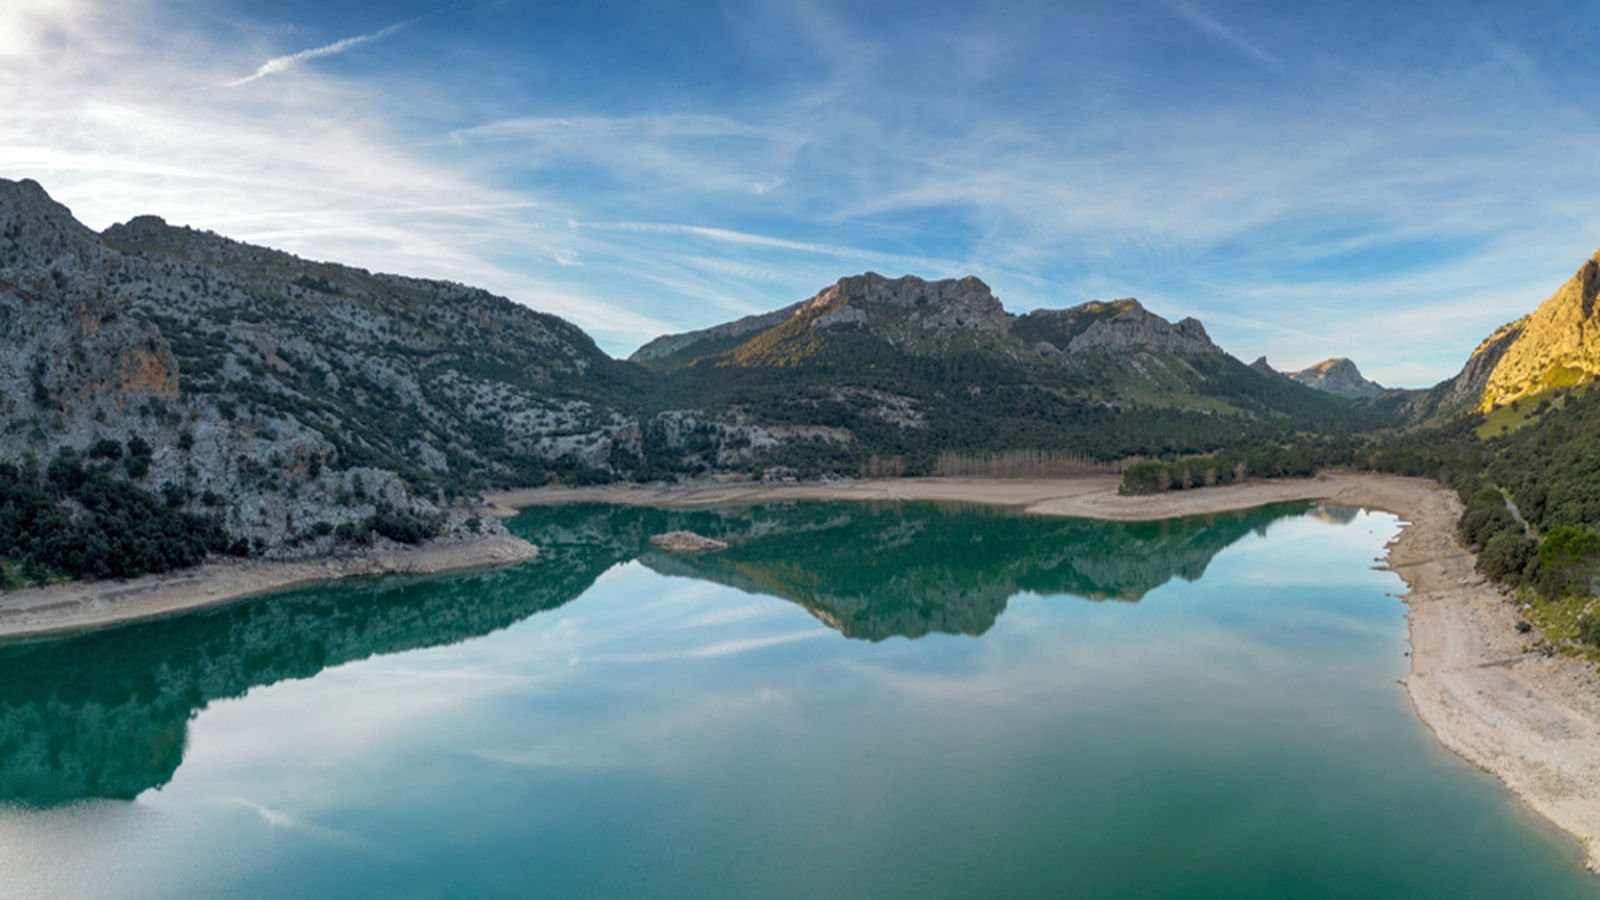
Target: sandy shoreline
(1092, 496)
(1530, 720)
(80, 606)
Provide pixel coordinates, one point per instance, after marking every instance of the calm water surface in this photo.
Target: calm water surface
(854, 701)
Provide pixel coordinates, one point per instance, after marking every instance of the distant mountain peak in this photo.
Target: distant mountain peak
(1115, 326)
(951, 303)
(1338, 376)
(909, 312)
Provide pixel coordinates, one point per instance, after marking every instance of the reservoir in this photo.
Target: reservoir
(852, 701)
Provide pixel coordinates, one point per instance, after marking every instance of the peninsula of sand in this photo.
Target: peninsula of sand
(1528, 718)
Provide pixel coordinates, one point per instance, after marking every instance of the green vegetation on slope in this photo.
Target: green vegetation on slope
(1531, 496)
(118, 530)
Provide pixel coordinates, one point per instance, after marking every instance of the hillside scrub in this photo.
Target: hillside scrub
(80, 522)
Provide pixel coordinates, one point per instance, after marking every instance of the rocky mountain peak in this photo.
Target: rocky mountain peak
(1129, 326)
(1555, 346)
(965, 303)
(909, 312)
(38, 233)
(1338, 376)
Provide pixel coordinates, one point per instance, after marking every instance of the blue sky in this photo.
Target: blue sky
(1385, 181)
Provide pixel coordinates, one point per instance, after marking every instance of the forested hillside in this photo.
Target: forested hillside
(907, 370)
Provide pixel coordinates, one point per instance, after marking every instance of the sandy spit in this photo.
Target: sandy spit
(1531, 720)
(80, 606)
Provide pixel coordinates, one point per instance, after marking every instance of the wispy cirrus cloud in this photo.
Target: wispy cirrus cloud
(1210, 26)
(637, 176)
(284, 63)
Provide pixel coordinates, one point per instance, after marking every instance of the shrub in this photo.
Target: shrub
(405, 527)
(120, 530)
(1506, 555)
(1567, 558)
(1589, 629)
(1143, 478)
(1484, 519)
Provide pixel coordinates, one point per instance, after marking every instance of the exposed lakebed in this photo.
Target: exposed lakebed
(871, 700)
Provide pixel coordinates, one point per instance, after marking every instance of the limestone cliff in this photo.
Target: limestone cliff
(1556, 346)
(284, 396)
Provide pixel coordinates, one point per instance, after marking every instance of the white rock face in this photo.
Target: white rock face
(286, 397)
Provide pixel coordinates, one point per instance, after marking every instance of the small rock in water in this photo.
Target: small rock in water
(686, 542)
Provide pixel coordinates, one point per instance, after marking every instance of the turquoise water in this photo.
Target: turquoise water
(853, 701)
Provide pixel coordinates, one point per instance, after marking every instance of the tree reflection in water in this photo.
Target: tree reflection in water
(106, 714)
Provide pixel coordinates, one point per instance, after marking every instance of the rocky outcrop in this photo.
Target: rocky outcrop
(1464, 392)
(1338, 376)
(907, 311)
(946, 359)
(1114, 326)
(1555, 346)
(921, 316)
(965, 303)
(910, 313)
(1558, 345)
(1132, 327)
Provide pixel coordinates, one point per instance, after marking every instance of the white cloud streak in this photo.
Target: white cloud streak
(283, 63)
(1289, 221)
(1210, 26)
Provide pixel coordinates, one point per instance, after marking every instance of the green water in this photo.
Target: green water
(853, 701)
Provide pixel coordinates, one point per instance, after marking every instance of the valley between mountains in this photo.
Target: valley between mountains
(186, 419)
(169, 395)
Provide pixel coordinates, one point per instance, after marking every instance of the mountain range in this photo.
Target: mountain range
(297, 404)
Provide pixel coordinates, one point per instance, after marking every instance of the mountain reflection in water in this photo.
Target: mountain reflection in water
(106, 714)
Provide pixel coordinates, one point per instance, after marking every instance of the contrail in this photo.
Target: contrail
(1211, 26)
(280, 63)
